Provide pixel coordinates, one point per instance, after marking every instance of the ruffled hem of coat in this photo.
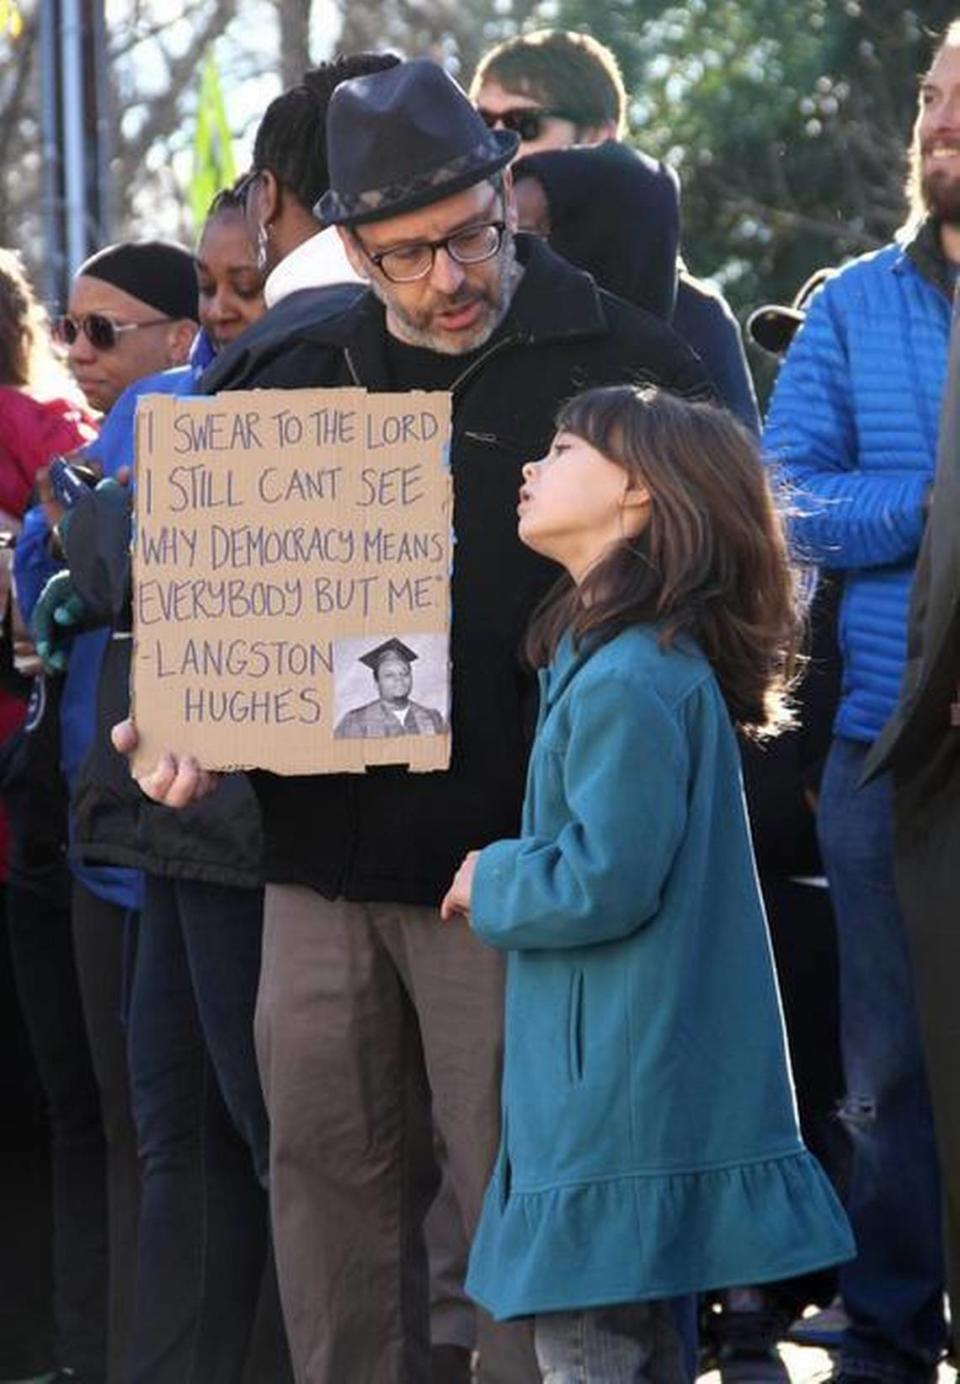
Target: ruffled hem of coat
(640, 1237)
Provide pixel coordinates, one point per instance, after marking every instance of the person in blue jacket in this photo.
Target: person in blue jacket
(650, 1145)
(853, 426)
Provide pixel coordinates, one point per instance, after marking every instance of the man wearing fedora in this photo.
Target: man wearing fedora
(374, 1024)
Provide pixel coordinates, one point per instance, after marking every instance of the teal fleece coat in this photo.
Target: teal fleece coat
(650, 1144)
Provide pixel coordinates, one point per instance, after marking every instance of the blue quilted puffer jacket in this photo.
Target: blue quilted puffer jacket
(852, 429)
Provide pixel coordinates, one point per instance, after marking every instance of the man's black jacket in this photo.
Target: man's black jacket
(236, 366)
(392, 836)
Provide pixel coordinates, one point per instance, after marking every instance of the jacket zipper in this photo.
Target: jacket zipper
(471, 370)
(352, 368)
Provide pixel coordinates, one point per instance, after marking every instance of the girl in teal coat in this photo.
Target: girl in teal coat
(650, 1145)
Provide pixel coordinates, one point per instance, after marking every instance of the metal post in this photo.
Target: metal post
(103, 125)
(54, 281)
(74, 150)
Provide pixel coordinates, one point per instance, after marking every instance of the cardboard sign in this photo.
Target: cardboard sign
(291, 580)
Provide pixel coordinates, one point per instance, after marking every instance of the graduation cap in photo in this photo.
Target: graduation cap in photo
(390, 647)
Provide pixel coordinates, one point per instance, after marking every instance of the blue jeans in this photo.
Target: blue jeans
(631, 1343)
(202, 1132)
(893, 1290)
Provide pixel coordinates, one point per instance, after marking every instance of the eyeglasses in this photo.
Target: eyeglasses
(242, 190)
(526, 121)
(472, 245)
(101, 331)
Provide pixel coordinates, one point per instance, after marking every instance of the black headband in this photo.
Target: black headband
(157, 272)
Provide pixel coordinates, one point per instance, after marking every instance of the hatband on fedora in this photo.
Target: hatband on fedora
(402, 139)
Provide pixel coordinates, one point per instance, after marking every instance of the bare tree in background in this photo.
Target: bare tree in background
(453, 32)
(155, 52)
(157, 49)
(294, 21)
(20, 151)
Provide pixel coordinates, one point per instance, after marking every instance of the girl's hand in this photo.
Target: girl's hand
(457, 897)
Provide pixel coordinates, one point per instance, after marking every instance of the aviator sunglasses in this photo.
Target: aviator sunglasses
(101, 331)
(526, 121)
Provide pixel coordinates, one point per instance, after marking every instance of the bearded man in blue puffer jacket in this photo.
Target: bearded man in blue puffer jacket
(853, 428)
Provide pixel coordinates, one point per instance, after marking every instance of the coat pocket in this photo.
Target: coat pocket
(575, 1028)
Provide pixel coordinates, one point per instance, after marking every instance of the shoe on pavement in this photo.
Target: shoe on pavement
(823, 1329)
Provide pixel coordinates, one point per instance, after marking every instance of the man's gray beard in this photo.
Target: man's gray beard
(511, 272)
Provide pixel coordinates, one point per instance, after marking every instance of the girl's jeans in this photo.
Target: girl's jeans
(632, 1343)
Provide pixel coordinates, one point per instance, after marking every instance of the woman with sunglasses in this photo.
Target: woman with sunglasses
(132, 312)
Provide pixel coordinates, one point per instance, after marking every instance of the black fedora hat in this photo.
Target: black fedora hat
(401, 139)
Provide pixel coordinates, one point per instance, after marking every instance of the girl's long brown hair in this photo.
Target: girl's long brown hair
(27, 358)
(712, 562)
(22, 324)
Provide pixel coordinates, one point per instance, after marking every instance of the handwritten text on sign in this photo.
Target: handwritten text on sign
(291, 566)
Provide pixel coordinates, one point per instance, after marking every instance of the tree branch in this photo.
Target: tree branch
(164, 109)
(13, 109)
(783, 220)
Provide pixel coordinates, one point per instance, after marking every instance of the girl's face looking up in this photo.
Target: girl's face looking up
(576, 503)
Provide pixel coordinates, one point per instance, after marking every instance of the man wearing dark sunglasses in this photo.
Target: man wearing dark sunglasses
(132, 312)
(600, 203)
(553, 88)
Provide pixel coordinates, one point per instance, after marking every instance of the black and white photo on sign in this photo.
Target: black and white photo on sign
(389, 685)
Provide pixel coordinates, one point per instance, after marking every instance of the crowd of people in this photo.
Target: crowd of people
(493, 1073)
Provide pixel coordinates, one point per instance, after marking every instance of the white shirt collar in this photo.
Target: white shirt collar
(319, 261)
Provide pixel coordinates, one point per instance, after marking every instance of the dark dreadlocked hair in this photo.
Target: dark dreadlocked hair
(291, 140)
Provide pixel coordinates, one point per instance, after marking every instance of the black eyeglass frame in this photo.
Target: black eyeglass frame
(242, 189)
(446, 243)
(68, 327)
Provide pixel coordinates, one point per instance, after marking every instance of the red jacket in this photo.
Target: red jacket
(31, 432)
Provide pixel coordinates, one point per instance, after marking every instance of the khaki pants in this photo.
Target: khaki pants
(373, 1020)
